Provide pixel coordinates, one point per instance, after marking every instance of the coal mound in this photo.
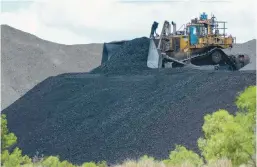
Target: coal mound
(122, 109)
(27, 60)
(131, 57)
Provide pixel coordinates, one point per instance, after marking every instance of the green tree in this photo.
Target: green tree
(51, 161)
(146, 157)
(89, 164)
(102, 164)
(7, 139)
(231, 136)
(246, 103)
(15, 158)
(54, 161)
(181, 156)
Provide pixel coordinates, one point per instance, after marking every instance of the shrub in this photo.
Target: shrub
(181, 156)
(53, 161)
(7, 139)
(146, 157)
(89, 164)
(246, 101)
(14, 158)
(142, 162)
(102, 164)
(231, 136)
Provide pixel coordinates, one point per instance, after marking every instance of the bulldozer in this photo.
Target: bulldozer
(199, 43)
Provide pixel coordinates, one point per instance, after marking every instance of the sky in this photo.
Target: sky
(98, 21)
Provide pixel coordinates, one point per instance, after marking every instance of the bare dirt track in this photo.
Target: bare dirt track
(122, 109)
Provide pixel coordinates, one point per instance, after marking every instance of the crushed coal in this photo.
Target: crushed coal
(131, 57)
(122, 110)
(27, 60)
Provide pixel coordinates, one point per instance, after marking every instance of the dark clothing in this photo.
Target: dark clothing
(154, 27)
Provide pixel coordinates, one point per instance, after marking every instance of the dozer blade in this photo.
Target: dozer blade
(109, 49)
(154, 59)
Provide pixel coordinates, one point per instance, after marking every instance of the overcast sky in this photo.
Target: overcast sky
(96, 21)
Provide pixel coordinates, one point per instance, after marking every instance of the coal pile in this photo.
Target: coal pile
(27, 60)
(122, 109)
(127, 59)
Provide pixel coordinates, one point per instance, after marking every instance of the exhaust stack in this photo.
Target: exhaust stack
(174, 27)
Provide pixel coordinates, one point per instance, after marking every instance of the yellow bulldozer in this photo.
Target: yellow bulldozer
(199, 43)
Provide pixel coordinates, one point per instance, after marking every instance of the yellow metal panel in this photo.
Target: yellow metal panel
(203, 40)
(171, 46)
(197, 46)
(200, 40)
(183, 42)
(209, 29)
(228, 41)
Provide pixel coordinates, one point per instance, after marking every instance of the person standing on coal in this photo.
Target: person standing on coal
(153, 30)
